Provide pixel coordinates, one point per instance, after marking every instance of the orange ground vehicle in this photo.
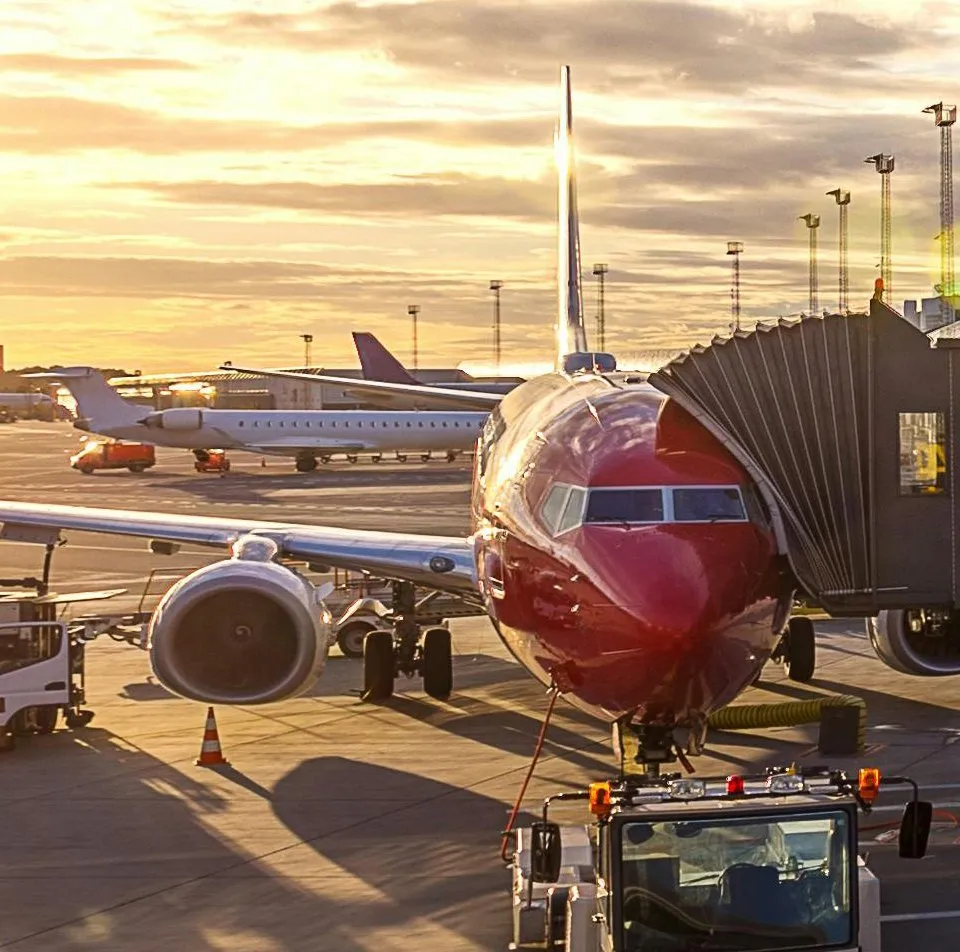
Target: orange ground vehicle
(211, 461)
(96, 454)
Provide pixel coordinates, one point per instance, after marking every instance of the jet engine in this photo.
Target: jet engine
(179, 418)
(245, 630)
(917, 641)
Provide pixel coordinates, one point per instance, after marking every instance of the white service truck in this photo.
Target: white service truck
(675, 864)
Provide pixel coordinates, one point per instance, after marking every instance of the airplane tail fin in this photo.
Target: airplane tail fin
(97, 402)
(571, 332)
(378, 363)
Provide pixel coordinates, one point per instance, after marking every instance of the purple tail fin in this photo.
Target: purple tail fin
(377, 362)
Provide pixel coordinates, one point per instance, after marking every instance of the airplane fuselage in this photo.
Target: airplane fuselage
(622, 552)
(297, 432)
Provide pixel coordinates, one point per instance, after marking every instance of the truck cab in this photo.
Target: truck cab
(720, 865)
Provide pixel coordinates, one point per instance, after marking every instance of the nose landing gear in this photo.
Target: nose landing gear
(388, 654)
(798, 649)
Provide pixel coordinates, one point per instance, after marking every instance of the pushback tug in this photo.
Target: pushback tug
(673, 863)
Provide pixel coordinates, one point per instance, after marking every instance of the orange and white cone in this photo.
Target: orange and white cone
(211, 755)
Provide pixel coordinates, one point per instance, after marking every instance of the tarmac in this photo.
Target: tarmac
(345, 826)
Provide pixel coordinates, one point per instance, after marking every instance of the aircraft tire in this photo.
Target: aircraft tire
(437, 666)
(801, 650)
(379, 666)
(351, 636)
(306, 464)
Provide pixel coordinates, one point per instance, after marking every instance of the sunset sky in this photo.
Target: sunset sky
(189, 182)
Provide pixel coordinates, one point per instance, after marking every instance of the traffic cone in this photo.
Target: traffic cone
(263, 462)
(211, 754)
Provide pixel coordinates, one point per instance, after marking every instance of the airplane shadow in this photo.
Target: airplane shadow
(432, 852)
(143, 856)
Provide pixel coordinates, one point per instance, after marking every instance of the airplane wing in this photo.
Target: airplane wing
(440, 562)
(437, 398)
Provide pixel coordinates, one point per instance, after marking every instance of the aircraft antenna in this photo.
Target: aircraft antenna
(813, 224)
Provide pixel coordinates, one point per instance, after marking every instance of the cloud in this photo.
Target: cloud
(168, 277)
(444, 194)
(54, 124)
(622, 42)
(83, 66)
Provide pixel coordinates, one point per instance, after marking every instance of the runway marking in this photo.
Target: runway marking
(912, 916)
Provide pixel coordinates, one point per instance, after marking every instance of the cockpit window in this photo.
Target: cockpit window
(565, 507)
(562, 510)
(553, 505)
(573, 510)
(708, 504)
(625, 505)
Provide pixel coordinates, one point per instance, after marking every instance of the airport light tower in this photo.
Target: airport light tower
(307, 349)
(884, 165)
(813, 224)
(601, 271)
(495, 286)
(843, 200)
(413, 310)
(735, 249)
(945, 116)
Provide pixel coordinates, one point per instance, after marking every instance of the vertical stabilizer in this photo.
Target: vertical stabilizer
(571, 334)
(377, 362)
(99, 406)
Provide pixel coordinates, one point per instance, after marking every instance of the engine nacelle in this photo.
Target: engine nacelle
(179, 418)
(241, 631)
(917, 641)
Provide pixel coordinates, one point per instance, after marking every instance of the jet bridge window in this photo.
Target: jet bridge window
(625, 505)
(708, 504)
(923, 454)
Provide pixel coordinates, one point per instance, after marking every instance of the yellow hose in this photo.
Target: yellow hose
(786, 714)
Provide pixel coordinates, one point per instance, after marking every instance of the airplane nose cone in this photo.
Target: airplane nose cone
(669, 620)
(675, 580)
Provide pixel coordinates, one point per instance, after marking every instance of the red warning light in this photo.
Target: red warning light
(734, 785)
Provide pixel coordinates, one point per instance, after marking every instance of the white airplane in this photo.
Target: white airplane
(306, 435)
(32, 404)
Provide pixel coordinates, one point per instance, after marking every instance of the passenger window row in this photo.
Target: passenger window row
(566, 507)
(359, 424)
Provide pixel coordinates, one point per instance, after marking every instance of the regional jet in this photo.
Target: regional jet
(306, 435)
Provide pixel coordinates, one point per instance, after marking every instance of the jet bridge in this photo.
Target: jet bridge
(846, 423)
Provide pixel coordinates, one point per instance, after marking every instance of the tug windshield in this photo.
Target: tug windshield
(724, 883)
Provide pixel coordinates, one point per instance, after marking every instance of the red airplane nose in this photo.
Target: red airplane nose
(671, 621)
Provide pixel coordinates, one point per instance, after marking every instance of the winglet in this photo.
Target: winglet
(571, 333)
(377, 362)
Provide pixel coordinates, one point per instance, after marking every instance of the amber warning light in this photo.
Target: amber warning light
(600, 799)
(869, 784)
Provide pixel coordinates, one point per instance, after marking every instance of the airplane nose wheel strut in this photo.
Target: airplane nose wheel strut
(407, 651)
